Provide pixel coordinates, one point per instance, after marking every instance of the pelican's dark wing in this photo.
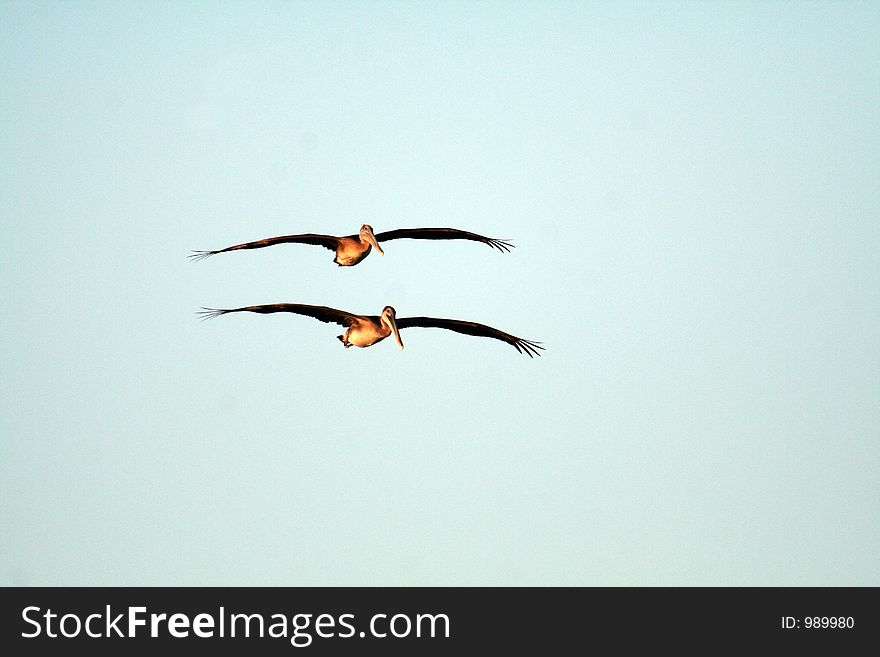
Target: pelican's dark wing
(528, 347)
(442, 234)
(327, 241)
(322, 313)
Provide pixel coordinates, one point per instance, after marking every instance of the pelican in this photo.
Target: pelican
(350, 250)
(367, 330)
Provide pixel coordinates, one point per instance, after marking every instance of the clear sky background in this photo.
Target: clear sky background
(694, 193)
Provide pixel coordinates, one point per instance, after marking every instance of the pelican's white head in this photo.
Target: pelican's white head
(366, 235)
(389, 317)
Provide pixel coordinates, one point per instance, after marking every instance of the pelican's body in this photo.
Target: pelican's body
(351, 249)
(367, 330)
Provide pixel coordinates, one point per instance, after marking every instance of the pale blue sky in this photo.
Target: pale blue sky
(694, 192)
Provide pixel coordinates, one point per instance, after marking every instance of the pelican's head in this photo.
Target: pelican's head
(389, 317)
(366, 235)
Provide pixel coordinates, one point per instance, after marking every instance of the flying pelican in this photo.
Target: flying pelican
(367, 330)
(350, 250)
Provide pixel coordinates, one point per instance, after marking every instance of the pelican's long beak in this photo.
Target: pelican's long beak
(392, 322)
(368, 235)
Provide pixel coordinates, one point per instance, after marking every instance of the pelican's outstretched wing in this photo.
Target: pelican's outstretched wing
(442, 234)
(528, 347)
(322, 313)
(327, 241)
